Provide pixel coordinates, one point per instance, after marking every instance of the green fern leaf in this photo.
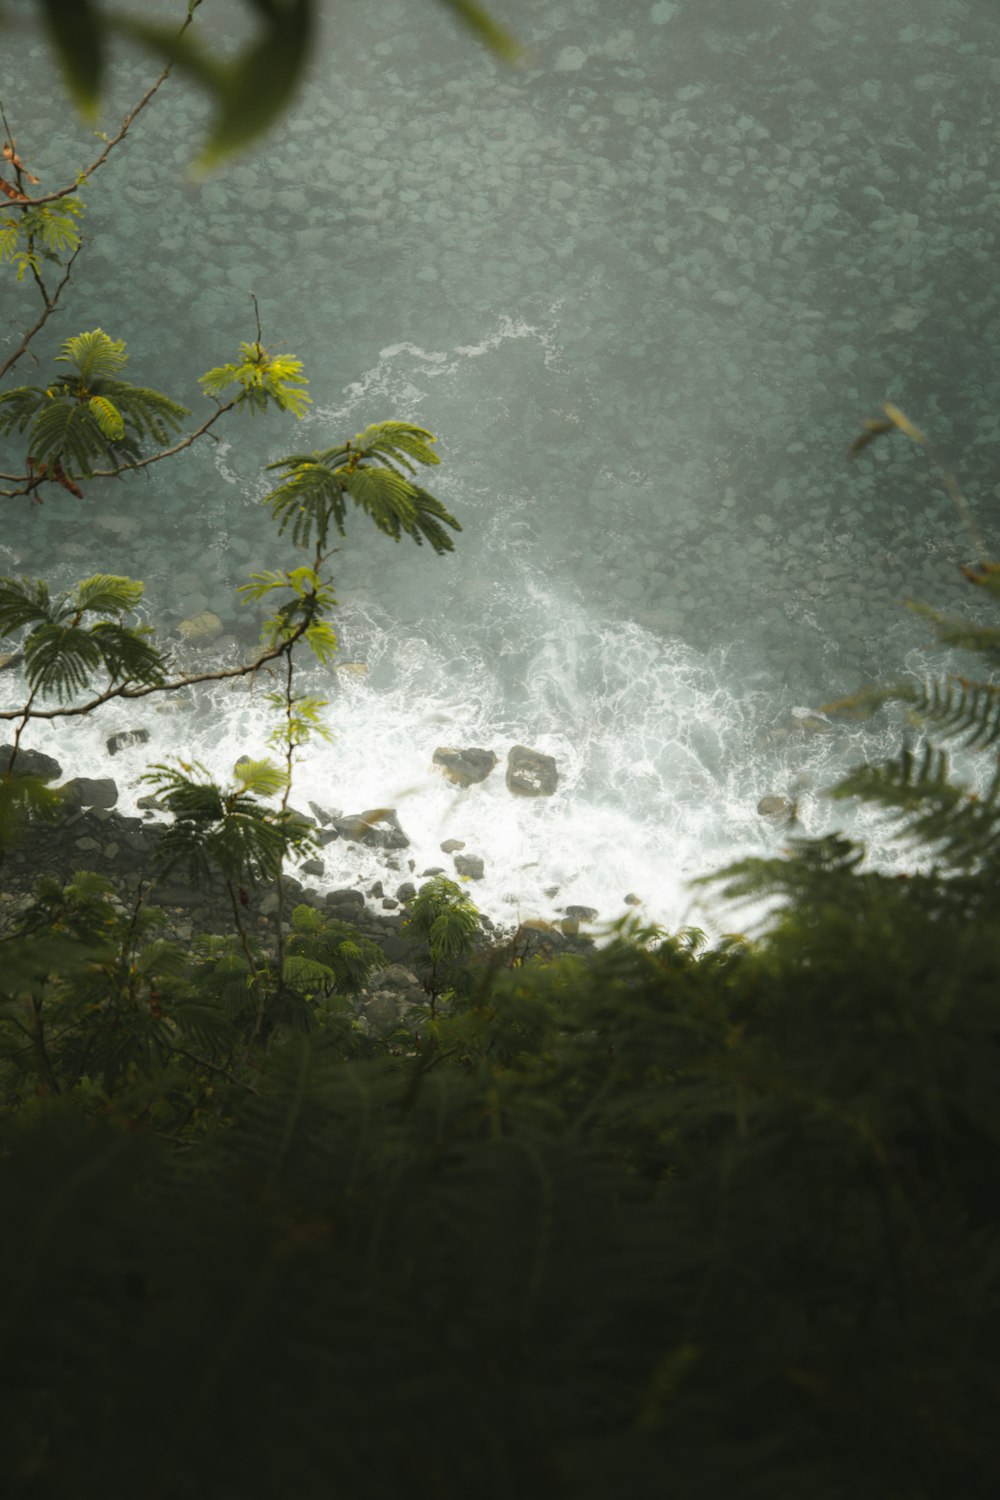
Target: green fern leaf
(60, 659)
(108, 594)
(94, 354)
(23, 601)
(262, 777)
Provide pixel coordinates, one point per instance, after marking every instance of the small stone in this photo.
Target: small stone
(450, 845)
(581, 913)
(432, 871)
(470, 865)
(388, 904)
(406, 891)
(313, 867)
(377, 889)
(632, 899)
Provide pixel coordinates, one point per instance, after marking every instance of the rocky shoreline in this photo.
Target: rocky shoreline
(94, 836)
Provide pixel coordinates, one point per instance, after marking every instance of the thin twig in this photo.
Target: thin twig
(123, 131)
(215, 1068)
(50, 308)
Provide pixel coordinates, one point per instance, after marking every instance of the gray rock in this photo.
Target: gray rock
(581, 913)
(377, 828)
(346, 897)
(30, 763)
(432, 871)
(775, 809)
(531, 773)
(313, 867)
(450, 845)
(125, 738)
(406, 891)
(470, 865)
(89, 791)
(464, 767)
(632, 899)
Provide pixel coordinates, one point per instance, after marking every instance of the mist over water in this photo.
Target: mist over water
(643, 290)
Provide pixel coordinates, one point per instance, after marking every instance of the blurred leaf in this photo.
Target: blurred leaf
(77, 35)
(489, 31)
(262, 81)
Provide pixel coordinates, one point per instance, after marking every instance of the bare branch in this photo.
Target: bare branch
(123, 131)
(50, 307)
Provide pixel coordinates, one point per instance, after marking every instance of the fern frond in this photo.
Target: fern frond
(961, 827)
(964, 635)
(262, 377)
(23, 601)
(108, 594)
(94, 354)
(385, 495)
(261, 777)
(128, 654)
(399, 441)
(60, 659)
(17, 407)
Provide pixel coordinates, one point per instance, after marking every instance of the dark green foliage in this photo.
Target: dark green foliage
(89, 415)
(373, 470)
(230, 832)
(325, 955)
(65, 645)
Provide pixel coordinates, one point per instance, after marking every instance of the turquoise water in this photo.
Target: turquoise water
(644, 290)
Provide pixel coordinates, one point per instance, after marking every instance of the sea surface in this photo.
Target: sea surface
(644, 289)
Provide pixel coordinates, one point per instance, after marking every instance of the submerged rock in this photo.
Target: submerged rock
(201, 629)
(531, 773)
(378, 828)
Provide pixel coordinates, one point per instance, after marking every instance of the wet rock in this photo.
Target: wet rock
(30, 763)
(406, 891)
(125, 738)
(632, 899)
(470, 865)
(378, 828)
(347, 897)
(89, 791)
(775, 809)
(581, 913)
(431, 871)
(464, 767)
(531, 773)
(450, 845)
(10, 659)
(313, 867)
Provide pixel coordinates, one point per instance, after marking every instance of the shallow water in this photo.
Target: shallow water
(644, 290)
